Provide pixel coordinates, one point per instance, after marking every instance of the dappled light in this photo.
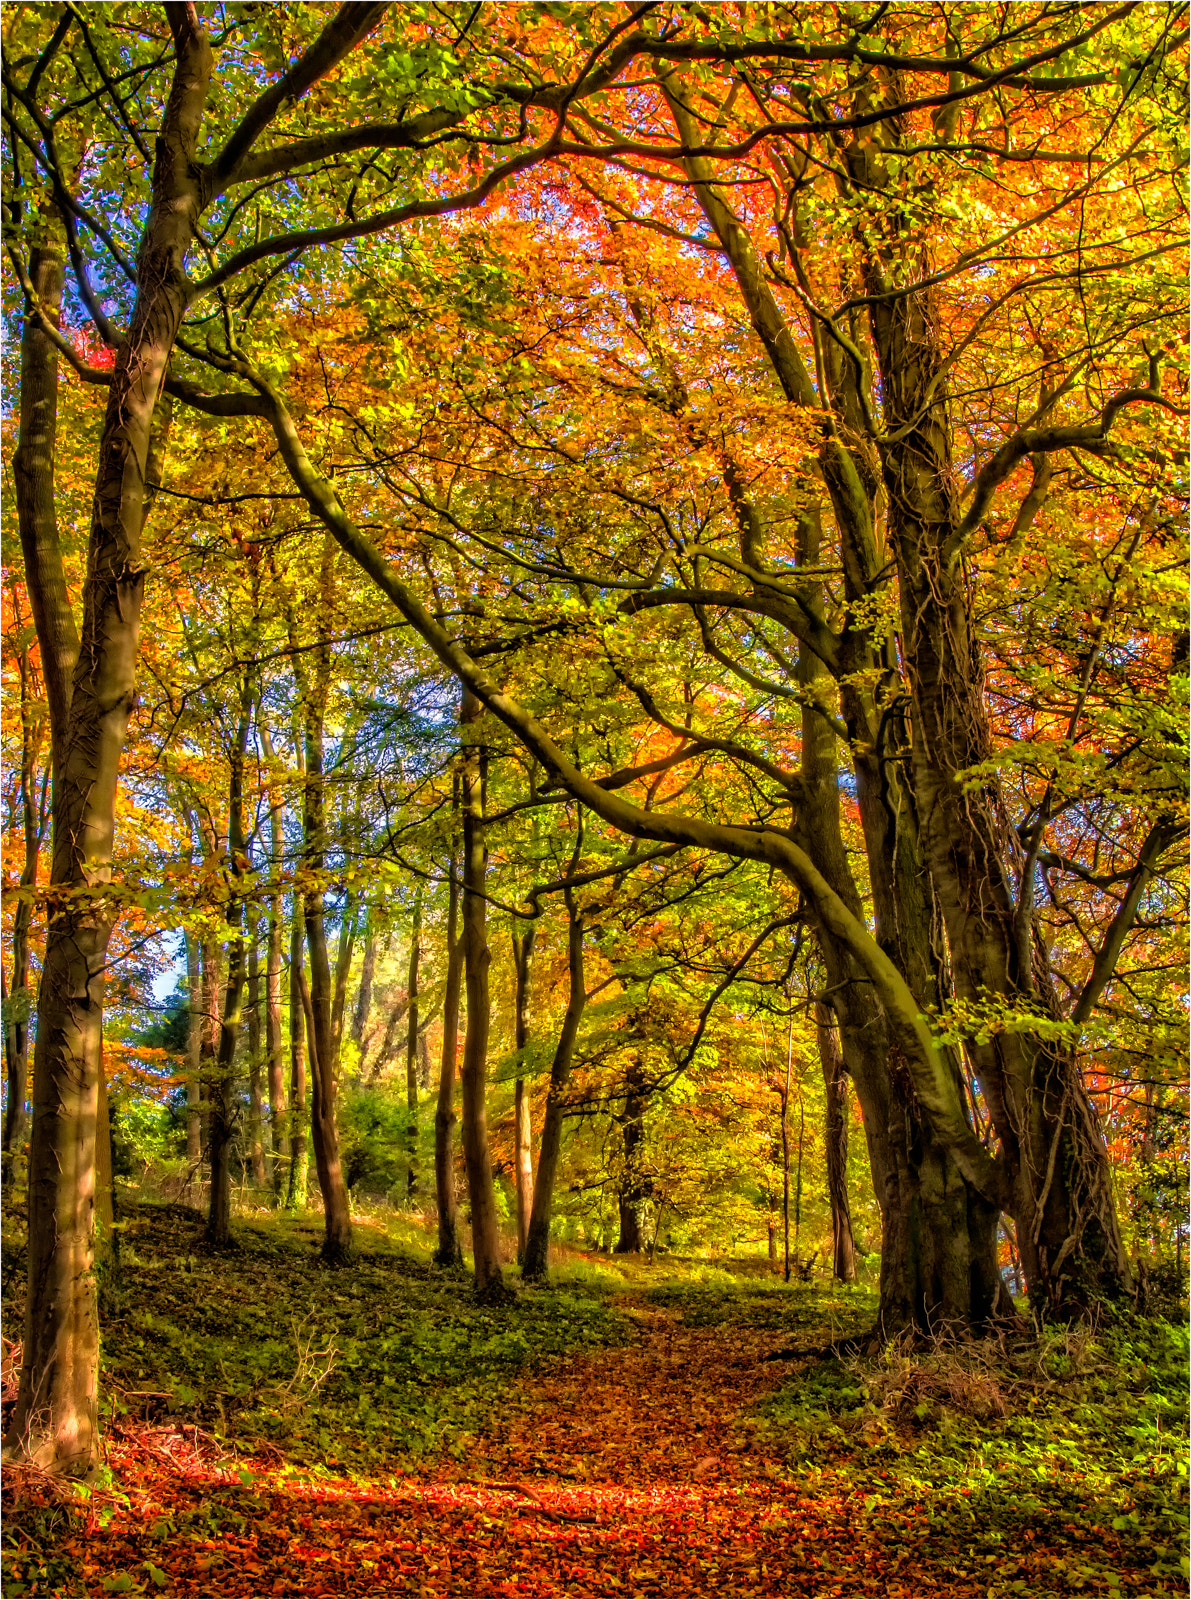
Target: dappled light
(594, 769)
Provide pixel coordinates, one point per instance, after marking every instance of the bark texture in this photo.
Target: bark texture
(477, 957)
(522, 1121)
(537, 1247)
(55, 1417)
(835, 1133)
(449, 1252)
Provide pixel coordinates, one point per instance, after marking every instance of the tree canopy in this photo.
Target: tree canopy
(635, 555)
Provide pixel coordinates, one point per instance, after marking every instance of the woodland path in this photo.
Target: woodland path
(623, 1471)
(632, 1470)
(645, 1468)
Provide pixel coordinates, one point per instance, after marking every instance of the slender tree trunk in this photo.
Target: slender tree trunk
(633, 1190)
(343, 961)
(223, 1108)
(522, 1120)
(363, 1006)
(35, 816)
(835, 1086)
(324, 1089)
(256, 1143)
(411, 1045)
(476, 1154)
(786, 1158)
(387, 1048)
(209, 955)
(449, 1252)
(295, 1199)
(274, 1043)
(194, 1051)
(537, 1244)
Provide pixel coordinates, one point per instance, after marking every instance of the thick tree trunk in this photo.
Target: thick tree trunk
(55, 1417)
(411, 1046)
(477, 1157)
(633, 1189)
(522, 1119)
(835, 1089)
(1061, 1187)
(449, 1252)
(295, 1199)
(537, 1245)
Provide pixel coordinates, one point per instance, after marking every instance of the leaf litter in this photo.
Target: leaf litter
(678, 1437)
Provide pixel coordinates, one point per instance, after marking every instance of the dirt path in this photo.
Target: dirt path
(637, 1470)
(623, 1471)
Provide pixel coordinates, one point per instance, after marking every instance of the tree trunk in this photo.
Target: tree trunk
(363, 1006)
(476, 956)
(256, 1144)
(537, 1245)
(55, 1419)
(411, 1046)
(835, 1088)
(337, 1237)
(449, 1252)
(295, 1199)
(343, 962)
(35, 816)
(274, 1044)
(522, 1120)
(223, 1107)
(785, 1131)
(194, 1052)
(633, 1189)
(387, 1048)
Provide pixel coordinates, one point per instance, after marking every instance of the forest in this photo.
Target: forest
(595, 662)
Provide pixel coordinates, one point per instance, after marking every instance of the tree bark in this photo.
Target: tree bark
(449, 1252)
(223, 1107)
(477, 1157)
(256, 1144)
(537, 1245)
(295, 1199)
(337, 1238)
(35, 818)
(274, 1043)
(411, 1045)
(194, 1051)
(835, 1087)
(363, 1005)
(522, 1120)
(55, 1419)
(1053, 1146)
(633, 1189)
(343, 961)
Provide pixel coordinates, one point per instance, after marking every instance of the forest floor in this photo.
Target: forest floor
(275, 1428)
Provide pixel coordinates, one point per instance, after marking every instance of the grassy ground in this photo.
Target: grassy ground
(629, 1429)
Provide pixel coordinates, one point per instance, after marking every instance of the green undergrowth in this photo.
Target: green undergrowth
(1001, 1441)
(386, 1362)
(813, 1314)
